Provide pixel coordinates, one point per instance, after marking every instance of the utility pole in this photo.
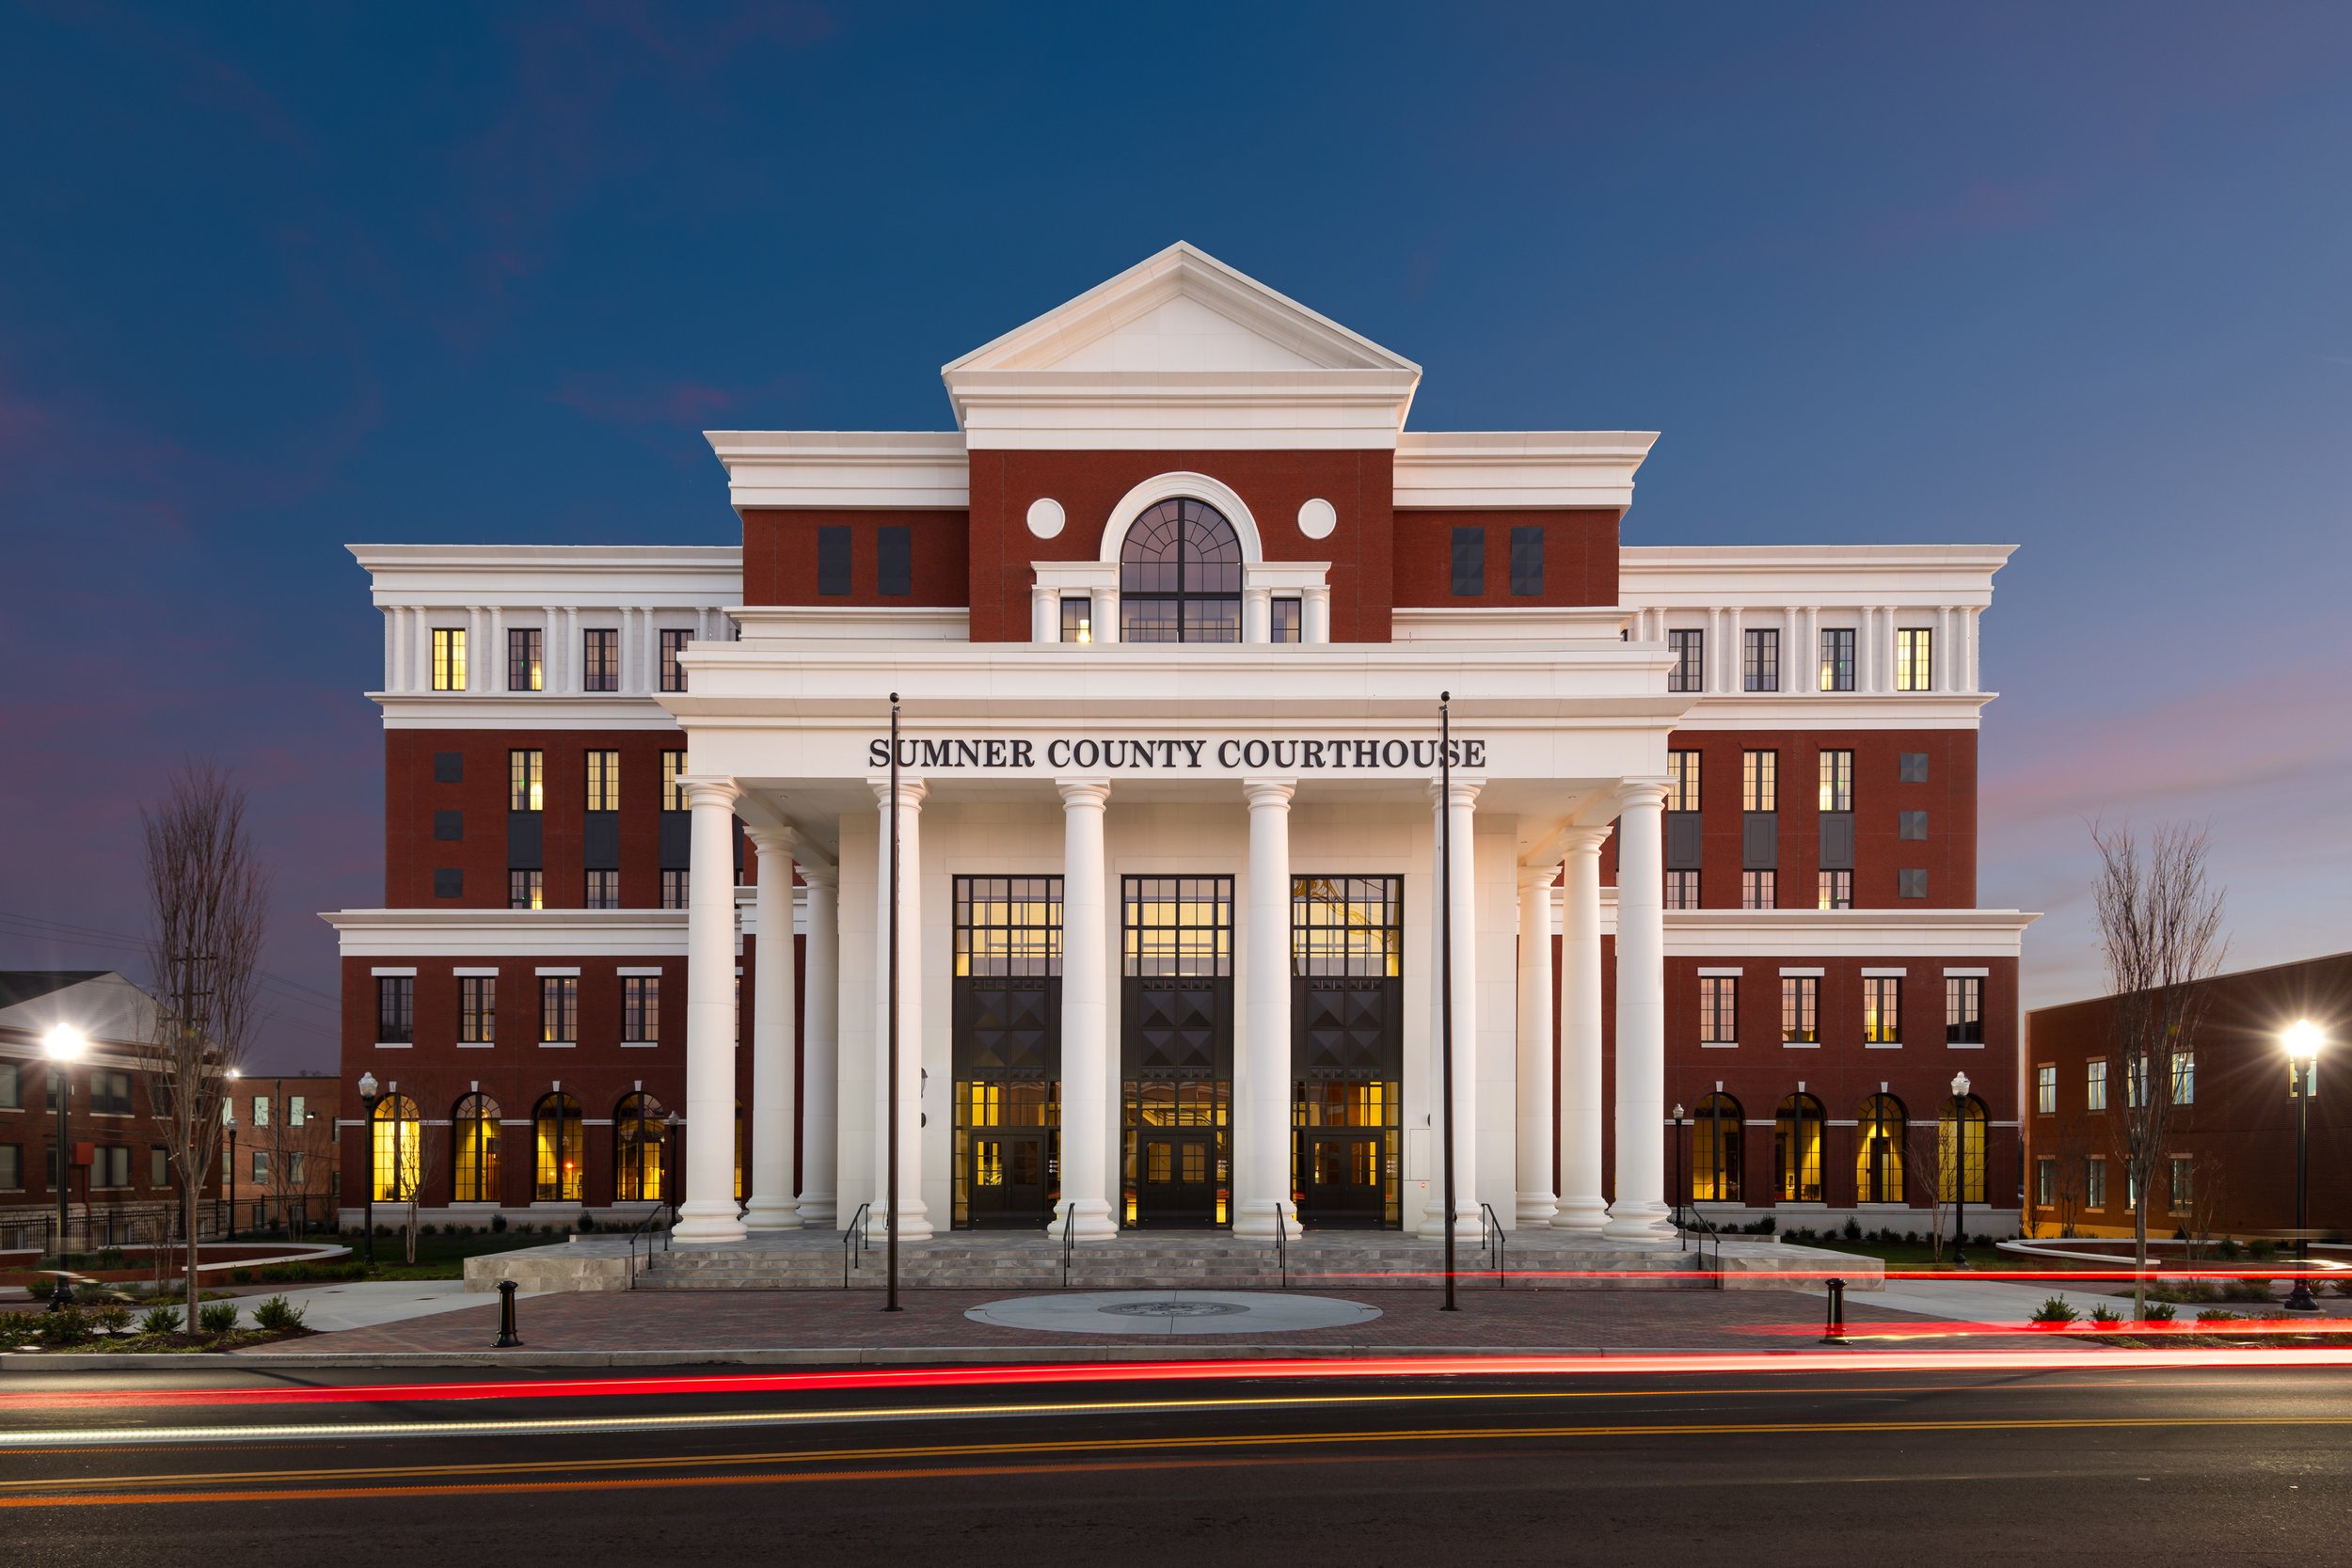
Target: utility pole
(1445, 970)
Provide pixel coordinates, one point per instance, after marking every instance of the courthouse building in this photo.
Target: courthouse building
(1169, 613)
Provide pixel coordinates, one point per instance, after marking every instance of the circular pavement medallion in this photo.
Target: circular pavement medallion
(1151, 1313)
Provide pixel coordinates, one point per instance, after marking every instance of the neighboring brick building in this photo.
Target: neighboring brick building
(1170, 609)
(284, 1170)
(2230, 1161)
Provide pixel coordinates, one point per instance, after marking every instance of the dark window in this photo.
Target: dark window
(1915, 767)
(1289, 623)
(1911, 884)
(110, 1092)
(1838, 659)
(641, 1007)
(524, 890)
(395, 1009)
(600, 660)
(603, 891)
(11, 1167)
(449, 881)
(477, 1008)
(448, 767)
(894, 562)
(1761, 659)
(1682, 889)
(11, 1086)
(676, 886)
(1180, 577)
(1800, 1008)
(832, 563)
(1077, 619)
(673, 642)
(1527, 561)
(448, 825)
(1912, 824)
(525, 670)
(1469, 563)
(1759, 890)
(1964, 1014)
(1690, 667)
(158, 1167)
(559, 1009)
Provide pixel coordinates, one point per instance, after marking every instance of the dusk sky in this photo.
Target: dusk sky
(276, 280)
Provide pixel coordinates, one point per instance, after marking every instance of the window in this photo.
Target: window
(1527, 561)
(2178, 1170)
(1911, 882)
(2131, 1187)
(261, 1107)
(1838, 659)
(1759, 890)
(448, 767)
(1180, 577)
(110, 1092)
(475, 1151)
(525, 776)
(2045, 1090)
(449, 881)
(672, 792)
(894, 561)
(2184, 1078)
(1289, 622)
(449, 827)
(1760, 658)
(396, 1008)
(525, 890)
(1759, 781)
(1800, 1009)
(1838, 781)
(294, 1167)
(1682, 781)
(1960, 1150)
(1836, 889)
(600, 659)
(1911, 767)
(1719, 1009)
(563, 1145)
(1964, 1009)
(1914, 658)
(1689, 672)
(399, 1148)
(11, 1086)
(260, 1167)
(1797, 1149)
(295, 1111)
(2044, 1182)
(603, 891)
(673, 642)
(640, 1136)
(158, 1167)
(1911, 825)
(477, 1008)
(2095, 1086)
(1882, 1010)
(1878, 1156)
(641, 1007)
(604, 780)
(110, 1167)
(2096, 1181)
(1469, 563)
(11, 1167)
(559, 1009)
(1077, 618)
(1715, 1150)
(675, 888)
(525, 667)
(449, 658)
(2135, 1083)
(1682, 889)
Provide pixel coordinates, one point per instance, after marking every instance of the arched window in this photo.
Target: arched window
(1968, 1162)
(1715, 1150)
(1797, 1149)
(475, 1151)
(562, 1148)
(640, 1140)
(399, 1148)
(1878, 1151)
(1179, 576)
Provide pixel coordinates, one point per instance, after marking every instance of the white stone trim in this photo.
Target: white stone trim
(641, 971)
(1882, 974)
(1459, 468)
(557, 970)
(1802, 972)
(919, 469)
(395, 1045)
(1183, 483)
(475, 974)
(1719, 974)
(1968, 973)
(554, 935)
(393, 974)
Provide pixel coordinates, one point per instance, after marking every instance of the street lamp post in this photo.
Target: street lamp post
(1960, 1170)
(65, 1046)
(1680, 1190)
(229, 1172)
(367, 1138)
(2303, 1042)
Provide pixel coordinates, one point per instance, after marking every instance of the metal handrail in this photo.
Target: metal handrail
(1068, 1212)
(1709, 1233)
(861, 1224)
(668, 1216)
(1486, 1214)
(1281, 1244)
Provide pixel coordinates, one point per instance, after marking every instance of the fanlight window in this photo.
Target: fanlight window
(1180, 577)
(1715, 1150)
(563, 1149)
(399, 1133)
(475, 1151)
(639, 1139)
(1878, 1158)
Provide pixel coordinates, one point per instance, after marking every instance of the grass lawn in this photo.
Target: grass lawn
(440, 1257)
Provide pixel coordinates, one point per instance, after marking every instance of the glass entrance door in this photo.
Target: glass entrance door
(1348, 1050)
(1007, 1046)
(1176, 1050)
(1342, 1184)
(1180, 1178)
(1007, 1177)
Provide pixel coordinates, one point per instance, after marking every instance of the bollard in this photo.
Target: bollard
(508, 1338)
(1833, 1332)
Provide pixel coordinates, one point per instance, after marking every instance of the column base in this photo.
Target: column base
(1467, 1225)
(1260, 1220)
(1639, 1222)
(708, 1225)
(773, 1213)
(818, 1211)
(1088, 1219)
(1580, 1213)
(914, 1223)
(1535, 1211)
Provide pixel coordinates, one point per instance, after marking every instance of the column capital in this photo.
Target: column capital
(1083, 791)
(819, 876)
(1637, 794)
(1269, 792)
(1465, 790)
(772, 841)
(911, 792)
(1582, 840)
(1534, 876)
(710, 791)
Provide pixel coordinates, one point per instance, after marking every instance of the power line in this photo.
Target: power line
(33, 925)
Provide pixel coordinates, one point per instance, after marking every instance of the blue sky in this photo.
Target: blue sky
(276, 280)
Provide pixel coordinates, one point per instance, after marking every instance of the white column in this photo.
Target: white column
(1086, 1013)
(1972, 675)
(903, 1099)
(708, 1213)
(1533, 1081)
(1044, 614)
(1105, 614)
(1947, 649)
(1315, 615)
(419, 649)
(1640, 1212)
(1257, 614)
(1262, 1131)
(1810, 653)
(774, 1115)
(550, 636)
(1581, 1207)
(820, 1070)
(1461, 903)
(392, 649)
(494, 665)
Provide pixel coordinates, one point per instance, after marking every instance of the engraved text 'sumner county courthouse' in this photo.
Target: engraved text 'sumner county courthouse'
(1170, 610)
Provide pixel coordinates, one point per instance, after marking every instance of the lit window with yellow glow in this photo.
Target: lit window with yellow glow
(449, 658)
(1914, 658)
(524, 771)
(1838, 781)
(604, 780)
(1759, 781)
(1882, 1010)
(399, 1148)
(1682, 785)
(673, 794)
(1077, 619)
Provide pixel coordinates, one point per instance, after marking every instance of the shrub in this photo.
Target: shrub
(2227, 1247)
(498, 1222)
(277, 1313)
(2103, 1313)
(69, 1326)
(15, 1328)
(2247, 1289)
(240, 1276)
(2162, 1312)
(113, 1318)
(427, 1230)
(587, 1221)
(220, 1318)
(2342, 1287)
(111, 1259)
(2216, 1315)
(2056, 1309)
(160, 1320)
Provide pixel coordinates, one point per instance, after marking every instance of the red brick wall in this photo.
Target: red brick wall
(1579, 557)
(780, 556)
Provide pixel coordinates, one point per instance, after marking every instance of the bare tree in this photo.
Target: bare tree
(209, 893)
(2160, 934)
(2208, 1186)
(2070, 1149)
(1927, 1172)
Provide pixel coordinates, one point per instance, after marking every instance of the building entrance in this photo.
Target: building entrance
(1348, 1050)
(1007, 1050)
(1176, 1050)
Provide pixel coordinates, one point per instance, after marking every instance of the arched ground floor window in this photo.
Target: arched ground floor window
(1715, 1149)
(475, 1151)
(399, 1148)
(1878, 1152)
(561, 1147)
(1959, 1156)
(1797, 1149)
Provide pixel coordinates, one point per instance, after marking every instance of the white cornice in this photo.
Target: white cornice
(1528, 625)
(647, 576)
(520, 934)
(844, 468)
(1848, 934)
(519, 710)
(1838, 710)
(1519, 467)
(1774, 576)
(924, 623)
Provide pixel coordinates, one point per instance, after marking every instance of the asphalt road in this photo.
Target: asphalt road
(1813, 1468)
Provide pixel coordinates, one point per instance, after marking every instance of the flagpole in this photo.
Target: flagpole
(1445, 969)
(890, 1093)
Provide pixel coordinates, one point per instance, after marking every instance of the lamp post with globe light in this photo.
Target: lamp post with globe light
(64, 1045)
(2303, 1040)
(229, 1173)
(1959, 1169)
(368, 1097)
